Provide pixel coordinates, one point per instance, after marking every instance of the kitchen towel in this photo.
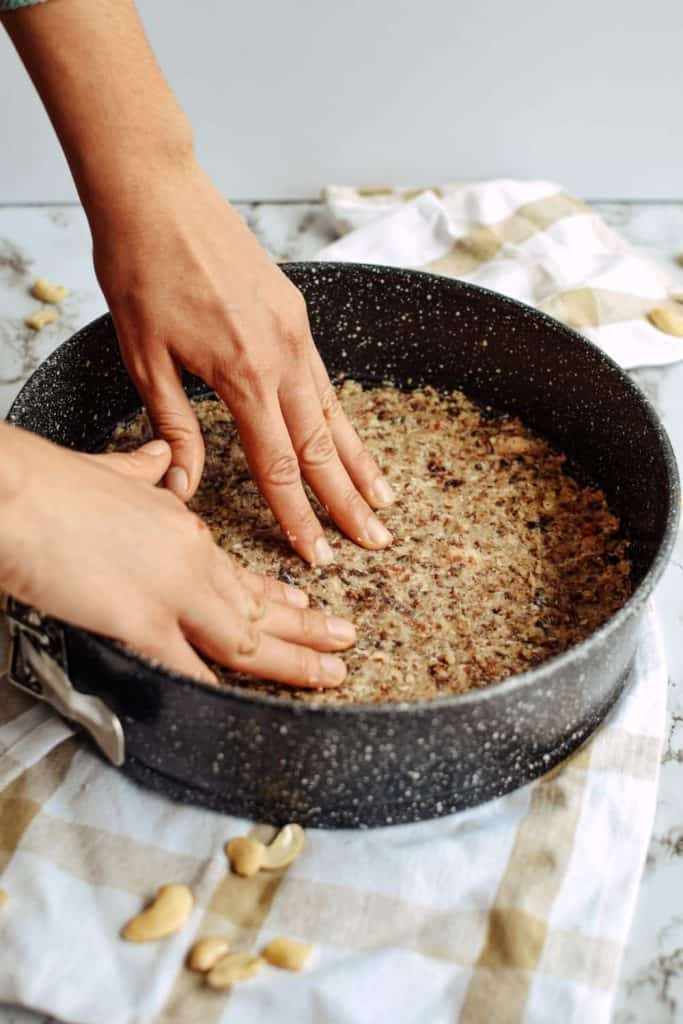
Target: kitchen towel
(530, 240)
(515, 911)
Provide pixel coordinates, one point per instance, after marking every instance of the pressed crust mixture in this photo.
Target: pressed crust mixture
(500, 559)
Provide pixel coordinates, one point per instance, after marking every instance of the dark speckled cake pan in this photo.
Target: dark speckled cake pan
(277, 760)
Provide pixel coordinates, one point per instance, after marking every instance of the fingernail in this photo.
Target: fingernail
(177, 481)
(341, 630)
(332, 670)
(296, 597)
(382, 493)
(155, 447)
(322, 552)
(377, 533)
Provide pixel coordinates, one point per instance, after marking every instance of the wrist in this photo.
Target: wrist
(124, 172)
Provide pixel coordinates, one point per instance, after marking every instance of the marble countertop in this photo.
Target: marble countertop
(53, 242)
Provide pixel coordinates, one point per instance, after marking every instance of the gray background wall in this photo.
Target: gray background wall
(287, 96)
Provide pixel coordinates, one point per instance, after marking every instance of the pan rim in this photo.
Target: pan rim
(511, 684)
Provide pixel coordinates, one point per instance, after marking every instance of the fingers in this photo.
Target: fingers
(173, 419)
(148, 463)
(272, 589)
(321, 466)
(177, 654)
(359, 463)
(307, 627)
(268, 639)
(242, 646)
(298, 625)
(291, 664)
(274, 466)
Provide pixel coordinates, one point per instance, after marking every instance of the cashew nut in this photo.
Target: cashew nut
(41, 318)
(233, 967)
(667, 320)
(285, 847)
(245, 855)
(4, 896)
(166, 915)
(287, 953)
(46, 292)
(206, 952)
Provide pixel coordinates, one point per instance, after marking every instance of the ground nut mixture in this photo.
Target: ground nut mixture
(501, 559)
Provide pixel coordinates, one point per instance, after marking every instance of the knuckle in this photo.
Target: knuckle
(311, 628)
(282, 470)
(256, 607)
(318, 449)
(362, 455)
(174, 425)
(291, 321)
(247, 639)
(304, 628)
(305, 664)
(197, 533)
(226, 370)
(294, 335)
(222, 368)
(353, 499)
(304, 521)
(253, 582)
(138, 365)
(330, 402)
(299, 303)
(243, 382)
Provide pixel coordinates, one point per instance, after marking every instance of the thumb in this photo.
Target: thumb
(148, 463)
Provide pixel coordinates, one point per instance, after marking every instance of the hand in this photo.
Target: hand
(187, 283)
(91, 540)
(189, 286)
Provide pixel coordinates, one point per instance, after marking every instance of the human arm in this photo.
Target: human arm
(186, 281)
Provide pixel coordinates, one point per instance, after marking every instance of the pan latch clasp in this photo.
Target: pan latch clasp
(33, 658)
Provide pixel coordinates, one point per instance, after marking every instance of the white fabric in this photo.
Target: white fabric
(577, 251)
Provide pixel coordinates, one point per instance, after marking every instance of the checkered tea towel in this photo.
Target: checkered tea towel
(516, 911)
(528, 239)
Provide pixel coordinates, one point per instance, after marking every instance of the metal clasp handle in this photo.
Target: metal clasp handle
(33, 658)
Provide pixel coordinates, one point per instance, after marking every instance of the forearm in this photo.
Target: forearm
(108, 100)
(17, 448)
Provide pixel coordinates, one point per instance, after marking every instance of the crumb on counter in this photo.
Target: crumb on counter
(41, 318)
(46, 292)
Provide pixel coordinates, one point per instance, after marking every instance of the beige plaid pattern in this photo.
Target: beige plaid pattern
(495, 914)
(528, 239)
